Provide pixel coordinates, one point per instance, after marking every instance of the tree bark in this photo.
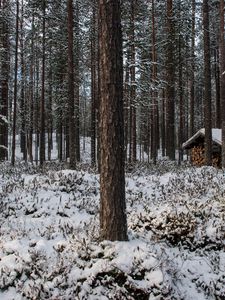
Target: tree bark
(163, 123)
(93, 85)
(154, 92)
(192, 75)
(22, 94)
(42, 125)
(126, 104)
(217, 86)
(133, 140)
(72, 130)
(207, 85)
(15, 86)
(222, 78)
(170, 141)
(77, 82)
(4, 43)
(112, 178)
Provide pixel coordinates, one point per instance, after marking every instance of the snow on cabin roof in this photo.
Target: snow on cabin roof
(216, 137)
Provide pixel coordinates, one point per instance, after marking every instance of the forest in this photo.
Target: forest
(112, 150)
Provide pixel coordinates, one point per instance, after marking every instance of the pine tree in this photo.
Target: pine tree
(170, 93)
(112, 178)
(42, 116)
(15, 86)
(207, 85)
(71, 86)
(222, 77)
(4, 90)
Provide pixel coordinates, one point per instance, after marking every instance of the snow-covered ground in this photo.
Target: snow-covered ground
(49, 235)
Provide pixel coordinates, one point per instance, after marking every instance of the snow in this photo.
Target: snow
(49, 235)
(216, 136)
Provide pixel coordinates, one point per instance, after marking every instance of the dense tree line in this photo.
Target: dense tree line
(50, 76)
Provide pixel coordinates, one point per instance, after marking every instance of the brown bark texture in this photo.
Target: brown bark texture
(93, 85)
(15, 86)
(207, 86)
(133, 129)
(72, 130)
(4, 90)
(222, 78)
(170, 144)
(42, 116)
(112, 179)
(192, 75)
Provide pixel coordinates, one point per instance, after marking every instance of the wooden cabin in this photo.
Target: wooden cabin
(196, 145)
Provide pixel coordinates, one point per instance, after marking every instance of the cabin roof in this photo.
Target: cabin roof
(200, 136)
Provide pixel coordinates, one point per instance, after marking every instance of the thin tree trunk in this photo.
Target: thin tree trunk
(163, 121)
(207, 85)
(192, 75)
(154, 93)
(180, 84)
(22, 95)
(170, 147)
(4, 43)
(42, 125)
(60, 138)
(222, 78)
(181, 105)
(15, 86)
(50, 121)
(31, 87)
(72, 130)
(77, 83)
(112, 177)
(126, 104)
(133, 141)
(217, 85)
(93, 86)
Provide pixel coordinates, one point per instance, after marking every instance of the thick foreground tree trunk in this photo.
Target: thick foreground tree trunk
(112, 179)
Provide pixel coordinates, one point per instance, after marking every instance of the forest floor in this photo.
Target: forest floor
(49, 235)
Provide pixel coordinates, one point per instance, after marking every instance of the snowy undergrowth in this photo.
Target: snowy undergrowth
(50, 248)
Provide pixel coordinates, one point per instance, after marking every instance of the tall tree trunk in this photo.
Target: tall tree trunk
(50, 142)
(192, 75)
(222, 78)
(31, 98)
(15, 86)
(154, 92)
(72, 130)
(93, 85)
(180, 85)
(4, 43)
(42, 125)
(170, 147)
(133, 141)
(163, 123)
(22, 95)
(126, 104)
(77, 82)
(207, 85)
(181, 106)
(49, 104)
(217, 86)
(112, 178)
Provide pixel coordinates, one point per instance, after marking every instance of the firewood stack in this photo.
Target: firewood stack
(198, 157)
